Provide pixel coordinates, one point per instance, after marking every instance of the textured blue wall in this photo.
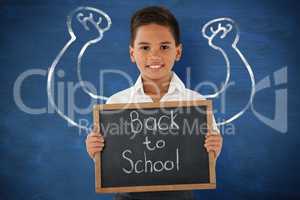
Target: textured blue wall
(42, 158)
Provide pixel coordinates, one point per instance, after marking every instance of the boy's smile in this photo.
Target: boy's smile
(154, 51)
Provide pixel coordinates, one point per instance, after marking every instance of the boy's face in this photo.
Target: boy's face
(154, 51)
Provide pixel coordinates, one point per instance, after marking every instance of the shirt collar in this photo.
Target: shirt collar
(138, 86)
(175, 84)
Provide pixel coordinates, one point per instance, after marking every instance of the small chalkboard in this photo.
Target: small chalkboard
(154, 147)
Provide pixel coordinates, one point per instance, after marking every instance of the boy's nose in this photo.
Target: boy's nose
(155, 60)
(155, 55)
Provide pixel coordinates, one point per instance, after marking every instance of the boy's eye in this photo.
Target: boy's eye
(164, 47)
(145, 48)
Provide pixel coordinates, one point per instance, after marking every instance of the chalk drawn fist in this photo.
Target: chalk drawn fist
(220, 32)
(90, 22)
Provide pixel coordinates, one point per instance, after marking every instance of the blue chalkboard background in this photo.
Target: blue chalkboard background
(42, 158)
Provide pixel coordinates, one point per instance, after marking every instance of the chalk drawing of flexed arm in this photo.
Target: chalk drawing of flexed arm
(220, 29)
(94, 22)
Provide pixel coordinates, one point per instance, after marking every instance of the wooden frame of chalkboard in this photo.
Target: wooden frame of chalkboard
(211, 184)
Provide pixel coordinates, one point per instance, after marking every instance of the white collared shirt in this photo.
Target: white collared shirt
(176, 92)
(135, 94)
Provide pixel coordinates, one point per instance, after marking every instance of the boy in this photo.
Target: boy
(155, 46)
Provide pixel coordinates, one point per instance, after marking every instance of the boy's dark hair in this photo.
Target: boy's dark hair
(154, 15)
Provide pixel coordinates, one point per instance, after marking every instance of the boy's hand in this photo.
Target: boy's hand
(94, 143)
(213, 142)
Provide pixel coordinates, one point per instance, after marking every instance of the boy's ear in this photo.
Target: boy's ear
(131, 53)
(178, 52)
